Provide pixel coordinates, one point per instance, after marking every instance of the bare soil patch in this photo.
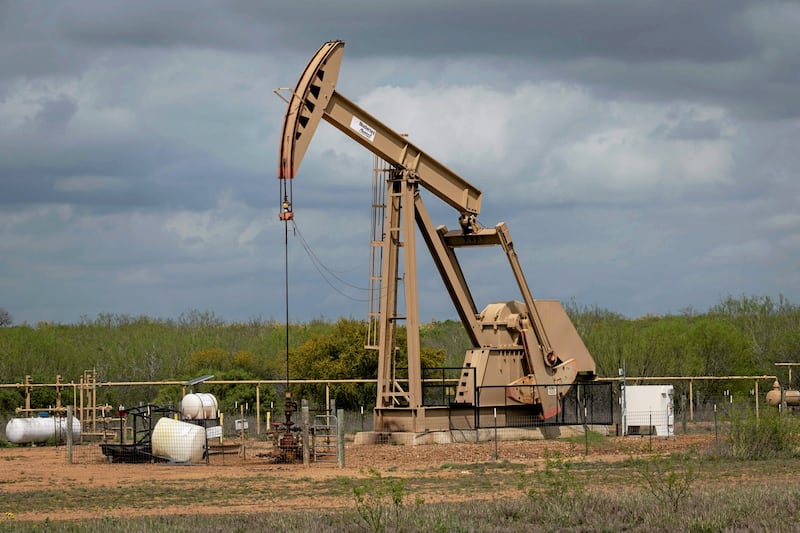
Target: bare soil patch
(232, 484)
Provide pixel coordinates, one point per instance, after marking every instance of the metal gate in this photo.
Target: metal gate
(324, 438)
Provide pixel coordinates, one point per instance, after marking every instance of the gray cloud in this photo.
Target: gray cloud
(623, 142)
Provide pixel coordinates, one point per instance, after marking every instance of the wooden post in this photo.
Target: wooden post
(691, 400)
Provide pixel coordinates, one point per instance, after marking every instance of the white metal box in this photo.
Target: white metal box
(648, 410)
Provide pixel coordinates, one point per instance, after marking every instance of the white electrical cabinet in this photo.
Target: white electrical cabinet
(648, 410)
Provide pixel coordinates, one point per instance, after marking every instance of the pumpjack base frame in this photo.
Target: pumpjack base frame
(451, 436)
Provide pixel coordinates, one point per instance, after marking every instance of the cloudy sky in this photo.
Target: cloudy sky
(644, 154)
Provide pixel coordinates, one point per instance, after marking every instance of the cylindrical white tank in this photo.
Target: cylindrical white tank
(178, 441)
(199, 406)
(40, 429)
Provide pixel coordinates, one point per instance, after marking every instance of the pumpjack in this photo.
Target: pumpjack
(525, 354)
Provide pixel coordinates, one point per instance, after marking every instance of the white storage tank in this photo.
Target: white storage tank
(648, 410)
(178, 441)
(40, 429)
(199, 406)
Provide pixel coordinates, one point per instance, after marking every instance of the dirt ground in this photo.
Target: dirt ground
(252, 483)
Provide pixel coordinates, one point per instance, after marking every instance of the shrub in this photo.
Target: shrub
(669, 480)
(379, 500)
(768, 436)
(555, 489)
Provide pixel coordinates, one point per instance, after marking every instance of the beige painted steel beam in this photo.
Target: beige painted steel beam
(450, 271)
(500, 236)
(394, 148)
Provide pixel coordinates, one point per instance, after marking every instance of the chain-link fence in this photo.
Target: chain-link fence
(245, 430)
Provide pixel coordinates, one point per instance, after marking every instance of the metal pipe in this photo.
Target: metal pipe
(258, 409)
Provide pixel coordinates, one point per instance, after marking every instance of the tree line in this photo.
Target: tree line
(743, 335)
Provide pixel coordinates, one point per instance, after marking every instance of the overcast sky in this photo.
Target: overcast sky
(644, 154)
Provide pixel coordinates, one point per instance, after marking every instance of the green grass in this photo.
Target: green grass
(696, 491)
(595, 439)
(483, 467)
(708, 509)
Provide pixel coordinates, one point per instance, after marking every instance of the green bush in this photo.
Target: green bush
(554, 490)
(10, 399)
(766, 437)
(379, 501)
(668, 479)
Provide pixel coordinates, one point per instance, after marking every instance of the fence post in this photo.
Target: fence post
(683, 412)
(306, 451)
(242, 428)
(496, 452)
(585, 422)
(69, 435)
(477, 412)
(716, 434)
(340, 437)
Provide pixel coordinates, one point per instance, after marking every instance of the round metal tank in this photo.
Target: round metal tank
(791, 397)
(40, 429)
(199, 406)
(178, 441)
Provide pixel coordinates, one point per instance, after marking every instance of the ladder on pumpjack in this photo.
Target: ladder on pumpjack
(380, 175)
